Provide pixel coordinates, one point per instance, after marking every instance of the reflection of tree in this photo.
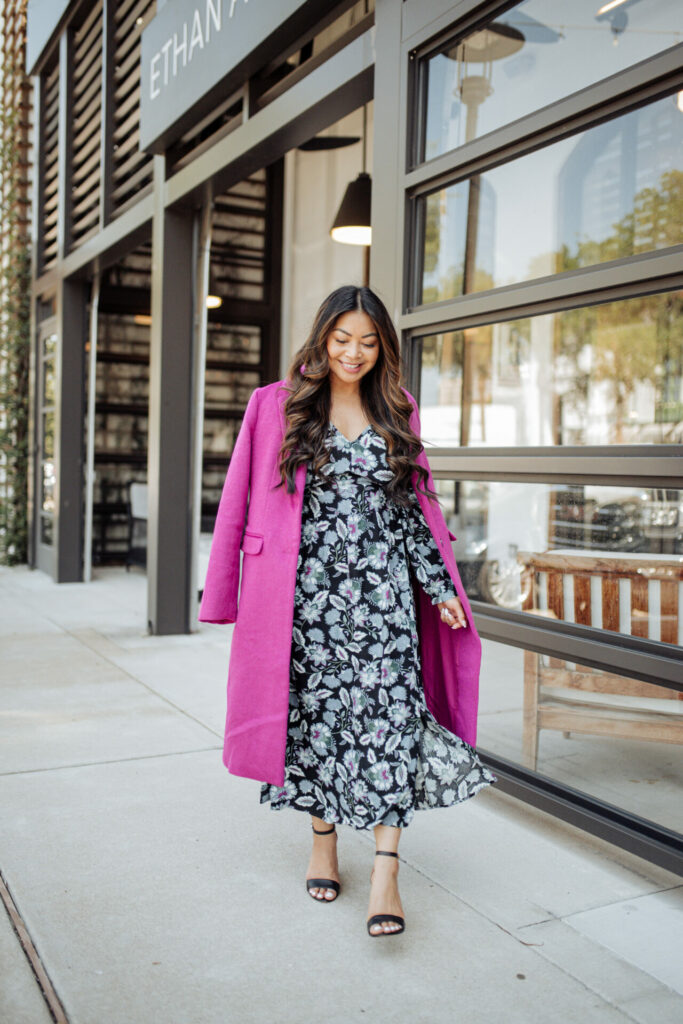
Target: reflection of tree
(452, 283)
(653, 223)
(632, 342)
(636, 341)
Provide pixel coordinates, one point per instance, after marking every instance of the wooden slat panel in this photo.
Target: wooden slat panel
(652, 727)
(556, 594)
(610, 604)
(601, 564)
(592, 680)
(639, 606)
(668, 607)
(582, 600)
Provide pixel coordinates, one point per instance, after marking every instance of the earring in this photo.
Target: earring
(302, 369)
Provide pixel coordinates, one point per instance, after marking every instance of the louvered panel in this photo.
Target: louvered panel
(130, 104)
(129, 166)
(131, 184)
(85, 197)
(132, 170)
(86, 114)
(87, 35)
(49, 146)
(126, 13)
(83, 132)
(91, 87)
(90, 158)
(127, 129)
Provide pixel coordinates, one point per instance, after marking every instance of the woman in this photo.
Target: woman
(362, 747)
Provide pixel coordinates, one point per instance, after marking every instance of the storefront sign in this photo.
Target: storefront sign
(195, 53)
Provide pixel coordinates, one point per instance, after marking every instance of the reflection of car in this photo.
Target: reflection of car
(662, 519)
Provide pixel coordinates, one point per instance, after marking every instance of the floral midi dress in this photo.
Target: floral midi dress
(363, 749)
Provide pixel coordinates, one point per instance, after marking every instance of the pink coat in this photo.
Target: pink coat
(258, 672)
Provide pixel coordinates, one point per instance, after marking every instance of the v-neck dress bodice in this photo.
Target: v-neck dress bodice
(362, 746)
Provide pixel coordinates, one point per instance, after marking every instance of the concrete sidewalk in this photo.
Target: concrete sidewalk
(155, 887)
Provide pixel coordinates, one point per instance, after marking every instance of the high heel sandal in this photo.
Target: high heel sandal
(323, 883)
(381, 918)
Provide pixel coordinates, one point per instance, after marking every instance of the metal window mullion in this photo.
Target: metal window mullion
(643, 466)
(428, 24)
(632, 657)
(626, 90)
(630, 277)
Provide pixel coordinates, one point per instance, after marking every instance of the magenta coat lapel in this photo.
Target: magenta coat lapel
(258, 671)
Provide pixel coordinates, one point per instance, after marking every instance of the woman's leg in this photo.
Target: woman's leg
(384, 896)
(323, 862)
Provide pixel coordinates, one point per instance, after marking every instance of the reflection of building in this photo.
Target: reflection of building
(450, 209)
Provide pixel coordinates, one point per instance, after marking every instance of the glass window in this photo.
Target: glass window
(597, 555)
(533, 55)
(605, 374)
(609, 192)
(612, 737)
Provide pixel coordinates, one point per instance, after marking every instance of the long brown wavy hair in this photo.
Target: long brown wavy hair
(307, 409)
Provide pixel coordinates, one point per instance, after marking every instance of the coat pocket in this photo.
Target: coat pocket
(251, 542)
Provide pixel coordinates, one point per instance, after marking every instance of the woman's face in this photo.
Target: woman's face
(352, 347)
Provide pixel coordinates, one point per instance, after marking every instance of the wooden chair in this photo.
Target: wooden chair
(595, 589)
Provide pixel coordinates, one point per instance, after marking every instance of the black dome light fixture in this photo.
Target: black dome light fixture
(352, 223)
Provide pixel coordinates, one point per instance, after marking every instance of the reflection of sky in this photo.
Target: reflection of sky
(541, 73)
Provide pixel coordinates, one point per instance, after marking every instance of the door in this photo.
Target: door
(45, 449)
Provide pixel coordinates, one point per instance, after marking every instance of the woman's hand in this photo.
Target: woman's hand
(452, 613)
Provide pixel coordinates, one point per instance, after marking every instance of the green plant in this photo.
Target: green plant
(15, 307)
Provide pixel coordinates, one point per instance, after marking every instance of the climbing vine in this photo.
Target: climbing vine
(15, 306)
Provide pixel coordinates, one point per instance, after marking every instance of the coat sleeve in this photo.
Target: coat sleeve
(219, 600)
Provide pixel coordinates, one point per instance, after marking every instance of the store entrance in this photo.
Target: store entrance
(45, 454)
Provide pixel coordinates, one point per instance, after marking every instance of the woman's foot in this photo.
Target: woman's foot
(384, 896)
(323, 862)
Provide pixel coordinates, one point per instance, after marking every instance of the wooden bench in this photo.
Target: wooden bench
(614, 593)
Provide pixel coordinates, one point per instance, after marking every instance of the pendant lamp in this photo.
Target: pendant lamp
(213, 299)
(352, 223)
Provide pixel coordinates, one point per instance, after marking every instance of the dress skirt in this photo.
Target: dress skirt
(363, 748)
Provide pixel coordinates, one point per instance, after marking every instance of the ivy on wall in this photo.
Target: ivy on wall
(15, 307)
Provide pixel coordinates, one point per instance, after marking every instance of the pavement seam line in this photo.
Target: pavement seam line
(47, 989)
(535, 947)
(115, 760)
(75, 636)
(79, 639)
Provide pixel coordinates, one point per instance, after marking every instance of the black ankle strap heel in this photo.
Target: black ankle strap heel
(323, 883)
(381, 918)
